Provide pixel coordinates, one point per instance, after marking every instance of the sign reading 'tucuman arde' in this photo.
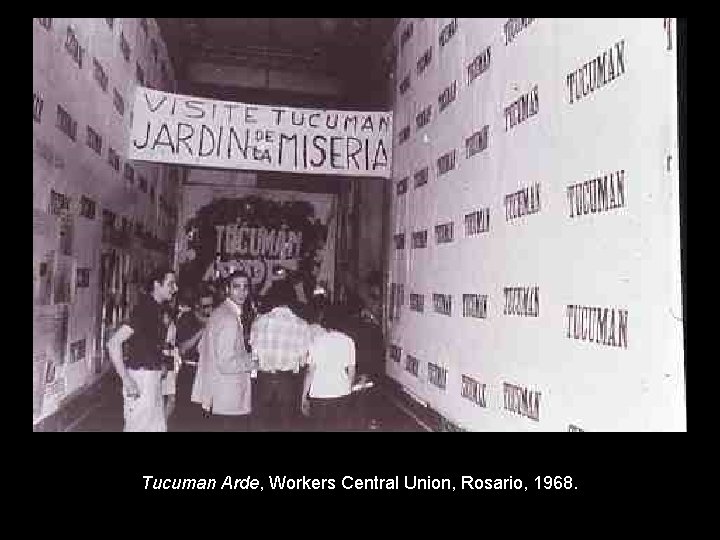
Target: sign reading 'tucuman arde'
(186, 130)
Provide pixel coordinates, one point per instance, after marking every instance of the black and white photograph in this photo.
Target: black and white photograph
(402, 225)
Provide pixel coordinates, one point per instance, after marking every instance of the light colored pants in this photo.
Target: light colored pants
(145, 413)
(169, 383)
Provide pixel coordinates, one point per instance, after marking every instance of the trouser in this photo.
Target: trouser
(278, 399)
(331, 414)
(185, 380)
(145, 412)
(231, 423)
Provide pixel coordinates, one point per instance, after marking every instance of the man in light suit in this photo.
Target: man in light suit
(223, 384)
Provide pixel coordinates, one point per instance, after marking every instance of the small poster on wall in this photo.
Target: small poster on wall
(39, 363)
(77, 350)
(50, 335)
(66, 229)
(43, 279)
(64, 282)
(50, 372)
(44, 246)
(60, 334)
(83, 277)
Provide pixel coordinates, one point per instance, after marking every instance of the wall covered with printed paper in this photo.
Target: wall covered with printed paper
(99, 219)
(535, 263)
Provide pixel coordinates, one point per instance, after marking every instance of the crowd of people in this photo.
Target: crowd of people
(222, 358)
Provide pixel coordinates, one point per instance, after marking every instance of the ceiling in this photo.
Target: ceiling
(346, 52)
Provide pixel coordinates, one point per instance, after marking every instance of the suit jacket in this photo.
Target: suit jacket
(222, 382)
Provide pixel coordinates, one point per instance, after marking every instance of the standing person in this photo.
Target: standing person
(317, 310)
(329, 377)
(190, 328)
(185, 305)
(222, 385)
(279, 341)
(141, 371)
(171, 361)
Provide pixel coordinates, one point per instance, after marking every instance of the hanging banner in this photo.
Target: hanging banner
(178, 129)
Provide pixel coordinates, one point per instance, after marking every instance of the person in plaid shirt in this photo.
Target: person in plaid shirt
(280, 341)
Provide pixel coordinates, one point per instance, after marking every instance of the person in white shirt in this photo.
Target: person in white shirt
(329, 377)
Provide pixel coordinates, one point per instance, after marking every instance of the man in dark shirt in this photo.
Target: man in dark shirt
(141, 370)
(190, 328)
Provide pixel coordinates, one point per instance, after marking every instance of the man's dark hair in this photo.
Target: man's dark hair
(157, 274)
(334, 318)
(281, 293)
(237, 273)
(318, 309)
(204, 291)
(186, 296)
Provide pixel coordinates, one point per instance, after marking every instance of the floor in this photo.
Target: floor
(375, 409)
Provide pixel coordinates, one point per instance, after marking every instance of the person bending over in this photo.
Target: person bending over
(329, 377)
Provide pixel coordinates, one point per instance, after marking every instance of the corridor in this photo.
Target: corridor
(499, 201)
(381, 408)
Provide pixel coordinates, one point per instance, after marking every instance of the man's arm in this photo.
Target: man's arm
(230, 352)
(115, 350)
(308, 334)
(254, 333)
(304, 398)
(190, 342)
(255, 344)
(351, 373)
(350, 367)
(187, 336)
